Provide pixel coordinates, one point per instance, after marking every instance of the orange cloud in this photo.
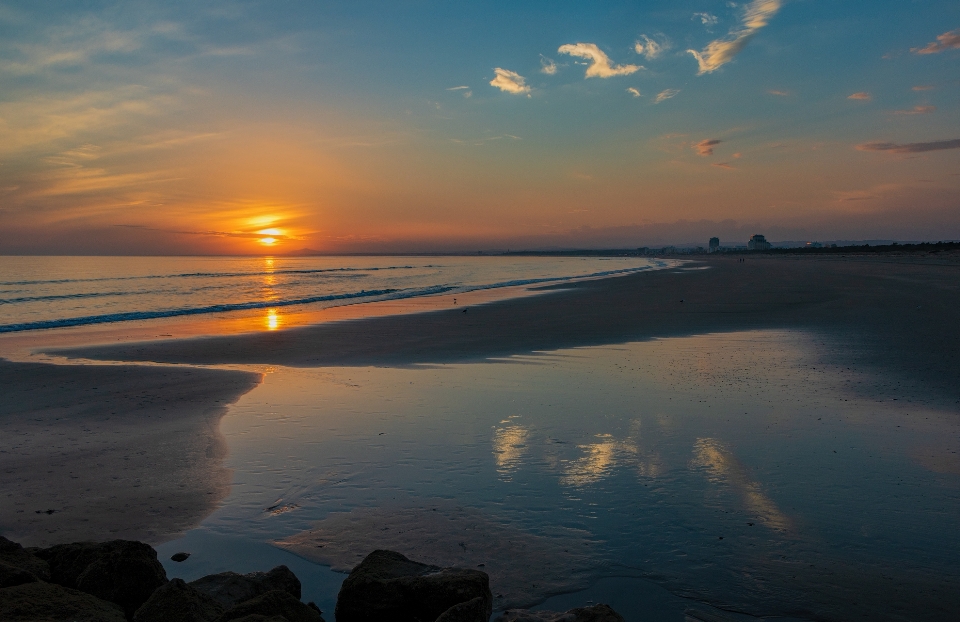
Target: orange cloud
(862, 96)
(937, 145)
(917, 110)
(705, 147)
(946, 41)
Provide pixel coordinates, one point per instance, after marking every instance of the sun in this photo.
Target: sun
(271, 236)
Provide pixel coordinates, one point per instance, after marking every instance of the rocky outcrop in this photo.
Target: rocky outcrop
(230, 588)
(471, 611)
(273, 604)
(17, 565)
(46, 601)
(388, 586)
(178, 602)
(124, 572)
(596, 613)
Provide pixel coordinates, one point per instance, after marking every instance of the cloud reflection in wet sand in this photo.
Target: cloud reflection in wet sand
(723, 467)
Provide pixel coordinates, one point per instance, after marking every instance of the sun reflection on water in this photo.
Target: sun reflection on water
(272, 319)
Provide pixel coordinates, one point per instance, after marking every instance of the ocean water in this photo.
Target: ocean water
(708, 477)
(49, 292)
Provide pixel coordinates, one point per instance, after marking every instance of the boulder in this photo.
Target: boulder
(473, 610)
(125, 572)
(275, 603)
(15, 556)
(230, 588)
(178, 602)
(388, 586)
(596, 613)
(49, 602)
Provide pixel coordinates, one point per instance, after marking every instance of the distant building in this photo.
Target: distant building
(758, 243)
(714, 245)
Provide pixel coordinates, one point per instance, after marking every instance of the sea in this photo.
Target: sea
(718, 477)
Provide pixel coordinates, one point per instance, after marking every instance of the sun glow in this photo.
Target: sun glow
(271, 238)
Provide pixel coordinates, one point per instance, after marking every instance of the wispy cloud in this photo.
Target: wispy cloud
(547, 65)
(705, 147)
(861, 96)
(665, 95)
(510, 82)
(465, 89)
(923, 87)
(650, 48)
(779, 93)
(937, 145)
(725, 165)
(946, 41)
(706, 19)
(917, 110)
(633, 91)
(718, 53)
(600, 64)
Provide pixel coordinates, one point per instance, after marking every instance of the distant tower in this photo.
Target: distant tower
(714, 245)
(758, 243)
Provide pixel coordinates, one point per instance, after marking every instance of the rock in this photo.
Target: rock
(255, 617)
(275, 603)
(11, 576)
(180, 557)
(178, 602)
(230, 588)
(596, 613)
(12, 554)
(125, 572)
(49, 602)
(471, 611)
(388, 586)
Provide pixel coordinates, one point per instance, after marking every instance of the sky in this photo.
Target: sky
(409, 126)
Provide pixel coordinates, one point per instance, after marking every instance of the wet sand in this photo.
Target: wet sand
(93, 452)
(900, 315)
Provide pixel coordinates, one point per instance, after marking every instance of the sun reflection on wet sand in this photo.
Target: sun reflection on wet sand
(509, 448)
(272, 319)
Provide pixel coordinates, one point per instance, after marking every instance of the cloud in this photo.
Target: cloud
(665, 95)
(706, 19)
(725, 165)
(650, 48)
(946, 41)
(705, 147)
(862, 96)
(600, 65)
(917, 110)
(923, 87)
(633, 91)
(458, 88)
(510, 82)
(937, 145)
(718, 53)
(547, 65)
(779, 93)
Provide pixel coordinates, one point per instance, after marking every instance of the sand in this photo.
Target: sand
(900, 315)
(94, 452)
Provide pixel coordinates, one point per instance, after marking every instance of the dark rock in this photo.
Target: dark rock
(275, 603)
(178, 602)
(16, 556)
(471, 611)
(180, 557)
(596, 613)
(230, 588)
(11, 576)
(49, 602)
(388, 586)
(125, 572)
(255, 617)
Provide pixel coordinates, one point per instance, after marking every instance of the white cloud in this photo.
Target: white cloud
(458, 88)
(633, 92)
(756, 15)
(547, 65)
(600, 64)
(650, 48)
(665, 95)
(706, 19)
(510, 82)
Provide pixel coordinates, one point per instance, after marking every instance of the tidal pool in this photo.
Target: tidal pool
(744, 473)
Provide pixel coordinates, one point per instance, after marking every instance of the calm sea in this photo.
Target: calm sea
(50, 292)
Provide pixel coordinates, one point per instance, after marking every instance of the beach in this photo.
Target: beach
(103, 428)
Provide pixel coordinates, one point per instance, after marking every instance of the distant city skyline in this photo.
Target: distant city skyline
(247, 127)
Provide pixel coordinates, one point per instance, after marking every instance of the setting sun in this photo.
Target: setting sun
(271, 238)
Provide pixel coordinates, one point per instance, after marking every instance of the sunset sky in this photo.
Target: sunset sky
(207, 127)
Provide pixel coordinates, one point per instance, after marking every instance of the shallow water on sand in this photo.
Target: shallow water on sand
(741, 470)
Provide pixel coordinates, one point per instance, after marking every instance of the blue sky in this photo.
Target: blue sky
(178, 127)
